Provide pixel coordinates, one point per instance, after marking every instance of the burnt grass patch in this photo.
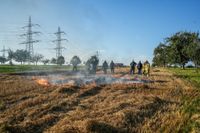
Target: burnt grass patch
(100, 127)
(64, 107)
(68, 90)
(37, 126)
(91, 92)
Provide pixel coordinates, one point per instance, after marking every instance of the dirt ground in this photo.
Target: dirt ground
(27, 107)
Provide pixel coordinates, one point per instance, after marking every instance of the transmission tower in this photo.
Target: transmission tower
(29, 38)
(58, 41)
(4, 51)
(97, 54)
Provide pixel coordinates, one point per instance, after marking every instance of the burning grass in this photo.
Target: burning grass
(82, 79)
(43, 82)
(93, 106)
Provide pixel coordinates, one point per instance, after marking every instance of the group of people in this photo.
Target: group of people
(105, 67)
(142, 68)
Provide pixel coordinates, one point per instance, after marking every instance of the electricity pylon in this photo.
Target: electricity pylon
(58, 41)
(29, 38)
(4, 51)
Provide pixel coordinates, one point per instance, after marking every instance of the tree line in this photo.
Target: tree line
(23, 56)
(178, 49)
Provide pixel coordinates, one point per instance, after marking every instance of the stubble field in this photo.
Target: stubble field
(28, 107)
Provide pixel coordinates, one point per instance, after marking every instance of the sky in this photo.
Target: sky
(121, 30)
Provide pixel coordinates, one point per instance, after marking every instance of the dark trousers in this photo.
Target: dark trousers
(132, 71)
(140, 71)
(112, 70)
(105, 71)
(75, 68)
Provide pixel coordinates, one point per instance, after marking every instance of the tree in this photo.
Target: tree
(196, 58)
(21, 56)
(11, 55)
(179, 44)
(2, 59)
(46, 61)
(75, 61)
(60, 60)
(195, 54)
(179, 49)
(37, 57)
(193, 48)
(53, 61)
(161, 55)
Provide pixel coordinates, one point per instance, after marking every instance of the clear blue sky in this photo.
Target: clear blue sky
(121, 30)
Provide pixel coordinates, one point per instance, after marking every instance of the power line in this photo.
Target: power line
(29, 38)
(58, 41)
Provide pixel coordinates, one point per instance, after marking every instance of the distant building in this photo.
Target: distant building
(119, 65)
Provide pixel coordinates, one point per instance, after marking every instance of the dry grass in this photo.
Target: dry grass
(154, 107)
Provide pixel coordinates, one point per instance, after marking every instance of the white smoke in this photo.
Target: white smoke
(82, 78)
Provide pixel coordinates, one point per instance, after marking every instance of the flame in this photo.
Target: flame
(43, 82)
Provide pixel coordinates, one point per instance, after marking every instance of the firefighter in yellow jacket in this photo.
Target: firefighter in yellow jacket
(146, 68)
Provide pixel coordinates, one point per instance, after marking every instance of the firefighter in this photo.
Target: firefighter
(92, 64)
(105, 67)
(146, 68)
(88, 67)
(112, 67)
(139, 67)
(132, 65)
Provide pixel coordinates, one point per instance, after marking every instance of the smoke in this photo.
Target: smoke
(83, 78)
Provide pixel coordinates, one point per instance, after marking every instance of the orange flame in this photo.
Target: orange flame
(43, 82)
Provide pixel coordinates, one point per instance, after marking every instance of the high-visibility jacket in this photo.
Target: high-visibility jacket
(146, 68)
